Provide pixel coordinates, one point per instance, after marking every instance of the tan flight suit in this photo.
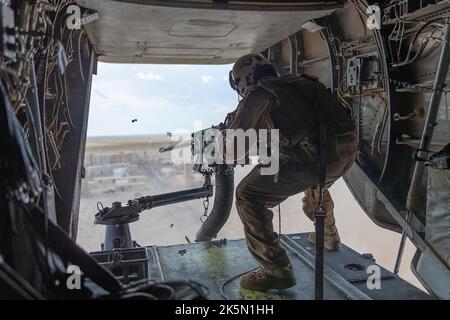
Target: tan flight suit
(286, 103)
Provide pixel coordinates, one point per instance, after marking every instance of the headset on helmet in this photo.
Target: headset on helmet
(248, 70)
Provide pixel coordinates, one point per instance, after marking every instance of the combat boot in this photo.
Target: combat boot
(331, 238)
(269, 278)
(331, 234)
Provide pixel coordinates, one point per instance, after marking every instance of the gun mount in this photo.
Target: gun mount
(118, 214)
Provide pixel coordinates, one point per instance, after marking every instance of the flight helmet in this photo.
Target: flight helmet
(248, 70)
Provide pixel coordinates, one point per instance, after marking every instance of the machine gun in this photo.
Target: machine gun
(224, 183)
(197, 143)
(118, 216)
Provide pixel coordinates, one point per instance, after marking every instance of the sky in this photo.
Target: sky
(163, 98)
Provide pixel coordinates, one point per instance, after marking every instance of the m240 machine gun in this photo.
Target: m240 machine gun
(118, 216)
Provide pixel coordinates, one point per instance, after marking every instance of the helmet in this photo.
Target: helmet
(248, 70)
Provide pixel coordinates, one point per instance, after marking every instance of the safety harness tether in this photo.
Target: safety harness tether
(319, 213)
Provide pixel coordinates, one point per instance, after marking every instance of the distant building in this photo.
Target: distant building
(121, 172)
(98, 159)
(115, 170)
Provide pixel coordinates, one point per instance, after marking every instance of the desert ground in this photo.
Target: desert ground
(123, 168)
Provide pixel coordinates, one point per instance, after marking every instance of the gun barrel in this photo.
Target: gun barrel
(149, 202)
(179, 145)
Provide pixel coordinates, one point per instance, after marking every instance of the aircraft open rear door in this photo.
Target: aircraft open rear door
(193, 32)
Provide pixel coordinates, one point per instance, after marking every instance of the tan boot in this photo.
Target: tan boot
(265, 279)
(331, 239)
(310, 202)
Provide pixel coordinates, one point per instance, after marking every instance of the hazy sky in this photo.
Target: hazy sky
(161, 97)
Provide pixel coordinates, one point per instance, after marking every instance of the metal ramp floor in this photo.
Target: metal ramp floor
(346, 271)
